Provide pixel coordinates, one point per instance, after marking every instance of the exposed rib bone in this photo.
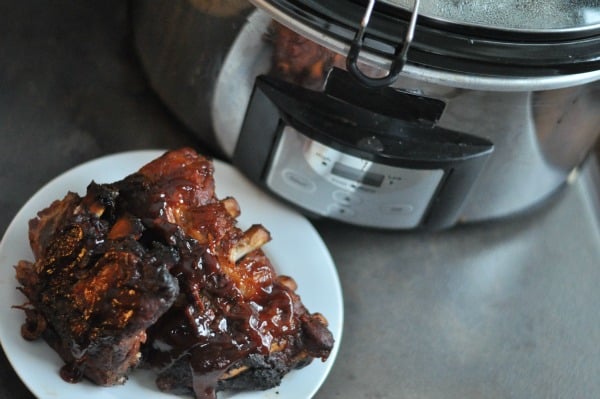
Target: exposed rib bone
(231, 206)
(253, 238)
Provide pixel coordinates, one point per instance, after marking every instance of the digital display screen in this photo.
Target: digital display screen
(345, 171)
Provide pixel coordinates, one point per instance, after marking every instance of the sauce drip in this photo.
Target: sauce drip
(226, 309)
(213, 326)
(71, 372)
(160, 243)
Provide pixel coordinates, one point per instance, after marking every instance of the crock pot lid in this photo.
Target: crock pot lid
(455, 48)
(534, 15)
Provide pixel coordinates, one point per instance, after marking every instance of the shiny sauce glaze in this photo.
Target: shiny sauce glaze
(163, 230)
(212, 325)
(95, 279)
(226, 310)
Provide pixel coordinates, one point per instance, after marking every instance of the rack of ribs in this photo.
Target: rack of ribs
(153, 271)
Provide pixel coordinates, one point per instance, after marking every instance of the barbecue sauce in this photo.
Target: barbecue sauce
(71, 372)
(223, 311)
(212, 325)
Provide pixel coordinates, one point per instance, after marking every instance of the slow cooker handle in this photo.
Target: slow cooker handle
(400, 56)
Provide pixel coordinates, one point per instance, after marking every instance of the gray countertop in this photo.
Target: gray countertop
(504, 309)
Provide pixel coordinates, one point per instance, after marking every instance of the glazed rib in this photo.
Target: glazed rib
(236, 324)
(153, 270)
(91, 297)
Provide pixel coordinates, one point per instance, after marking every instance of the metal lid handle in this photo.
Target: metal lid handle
(400, 57)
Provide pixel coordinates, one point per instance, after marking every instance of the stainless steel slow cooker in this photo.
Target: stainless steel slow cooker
(392, 114)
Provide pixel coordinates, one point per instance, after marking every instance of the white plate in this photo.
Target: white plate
(296, 250)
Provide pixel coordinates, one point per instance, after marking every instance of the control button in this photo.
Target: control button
(340, 211)
(298, 181)
(346, 198)
(397, 209)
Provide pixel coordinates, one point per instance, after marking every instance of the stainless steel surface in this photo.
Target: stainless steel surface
(498, 310)
(185, 46)
(303, 171)
(539, 136)
(431, 75)
(247, 58)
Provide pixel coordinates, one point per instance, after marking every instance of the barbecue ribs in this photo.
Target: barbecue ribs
(153, 271)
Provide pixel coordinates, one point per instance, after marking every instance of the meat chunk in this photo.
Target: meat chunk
(153, 270)
(92, 297)
(236, 325)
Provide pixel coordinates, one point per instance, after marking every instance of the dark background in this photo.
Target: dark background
(505, 309)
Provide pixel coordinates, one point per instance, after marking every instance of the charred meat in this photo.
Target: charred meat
(153, 271)
(91, 296)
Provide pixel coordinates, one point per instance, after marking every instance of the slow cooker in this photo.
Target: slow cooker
(395, 114)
